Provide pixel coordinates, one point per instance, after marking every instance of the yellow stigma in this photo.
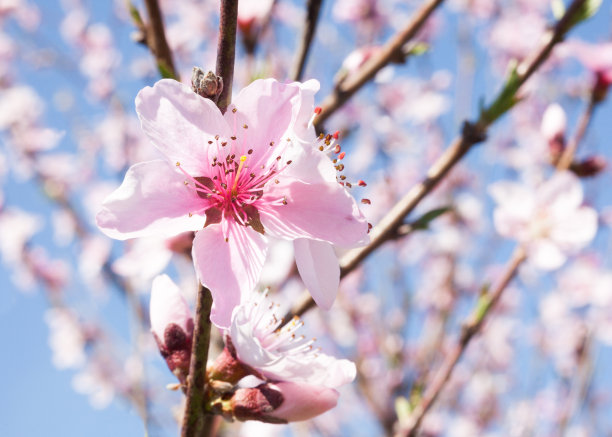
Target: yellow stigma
(242, 159)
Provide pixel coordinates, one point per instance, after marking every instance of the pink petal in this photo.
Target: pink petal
(316, 211)
(554, 122)
(265, 107)
(168, 306)
(545, 255)
(576, 229)
(561, 194)
(152, 200)
(180, 123)
(514, 199)
(303, 401)
(319, 268)
(229, 269)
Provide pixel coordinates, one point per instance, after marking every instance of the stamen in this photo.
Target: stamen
(242, 160)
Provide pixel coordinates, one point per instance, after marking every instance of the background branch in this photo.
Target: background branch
(310, 26)
(471, 134)
(155, 37)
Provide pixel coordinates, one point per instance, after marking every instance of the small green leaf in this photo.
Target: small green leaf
(589, 9)
(418, 49)
(402, 408)
(506, 99)
(135, 14)
(558, 8)
(165, 71)
(423, 222)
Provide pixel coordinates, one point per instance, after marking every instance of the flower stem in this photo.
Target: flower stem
(195, 420)
(226, 50)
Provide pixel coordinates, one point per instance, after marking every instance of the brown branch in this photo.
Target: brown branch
(567, 157)
(310, 26)
(387, 54)
(471, 134)
(469, 329)
(195, 421)
(226, 50)
(155, 38)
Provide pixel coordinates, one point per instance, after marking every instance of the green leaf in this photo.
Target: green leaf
(423, 222)
(402, 408)
(506, 99)
(589, 9)
(558, 8)
(165, 71)
(135, 14)
(418, 49)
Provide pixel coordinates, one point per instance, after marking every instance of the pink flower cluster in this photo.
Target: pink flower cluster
(257, 172)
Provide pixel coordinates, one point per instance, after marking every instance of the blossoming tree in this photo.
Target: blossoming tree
(196, 189)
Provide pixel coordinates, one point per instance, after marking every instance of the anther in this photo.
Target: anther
(336, 134)
(245, 126)
(250, 151)
(366, 201)
(318, 110)
(361, 183)
(233, 138)
(216, 137)
(178, 164)
(234, 110)
(342, 155)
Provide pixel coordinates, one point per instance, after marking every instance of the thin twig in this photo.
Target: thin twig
(196, 423)
(310, 26)
(471, 134)
(156, 40)
(194, 420)
(567, 157)
(388, 53)
(469, 329)
(226, 50)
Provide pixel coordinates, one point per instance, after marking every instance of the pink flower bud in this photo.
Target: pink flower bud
(554, 123)
(172, 325)
(282, 402)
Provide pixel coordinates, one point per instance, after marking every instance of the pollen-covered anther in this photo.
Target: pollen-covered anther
(342, 155)
(366, 201)
(361, 183)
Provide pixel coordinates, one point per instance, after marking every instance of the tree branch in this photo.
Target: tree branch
(226, 50)
(387, 54)
(310, 26)
(194, 420)
(156, 40)
(471, 134)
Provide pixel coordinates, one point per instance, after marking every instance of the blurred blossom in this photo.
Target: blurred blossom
(16, 229)
(595, 57)
(554, 123)
(95, 251)
(66, 338)
(550, 221)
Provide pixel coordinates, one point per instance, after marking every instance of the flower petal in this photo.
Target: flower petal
(545, 255)
(561, 194)
(576, 229)
(180, 123)
(152, 200)
(229, 269)
(265, 107)
(317, 211)
(319, 268)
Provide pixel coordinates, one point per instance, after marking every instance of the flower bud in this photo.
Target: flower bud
(282, 402)
(554, 123)
(589, 167)
(172, 325)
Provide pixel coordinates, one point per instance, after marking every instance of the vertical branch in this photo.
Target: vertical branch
(196, 423)
(156, 40)
(226, 50)
(310, 26)
(194, 420)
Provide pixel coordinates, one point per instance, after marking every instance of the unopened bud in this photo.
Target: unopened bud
(282, 402)
(603, 81)
(208, 85)
(554, 123)
(172, 325)
(589, 167)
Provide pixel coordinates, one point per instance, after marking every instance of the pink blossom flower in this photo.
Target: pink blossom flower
(236, 179)
(595, 57)
(549, 221)
(277, 353)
